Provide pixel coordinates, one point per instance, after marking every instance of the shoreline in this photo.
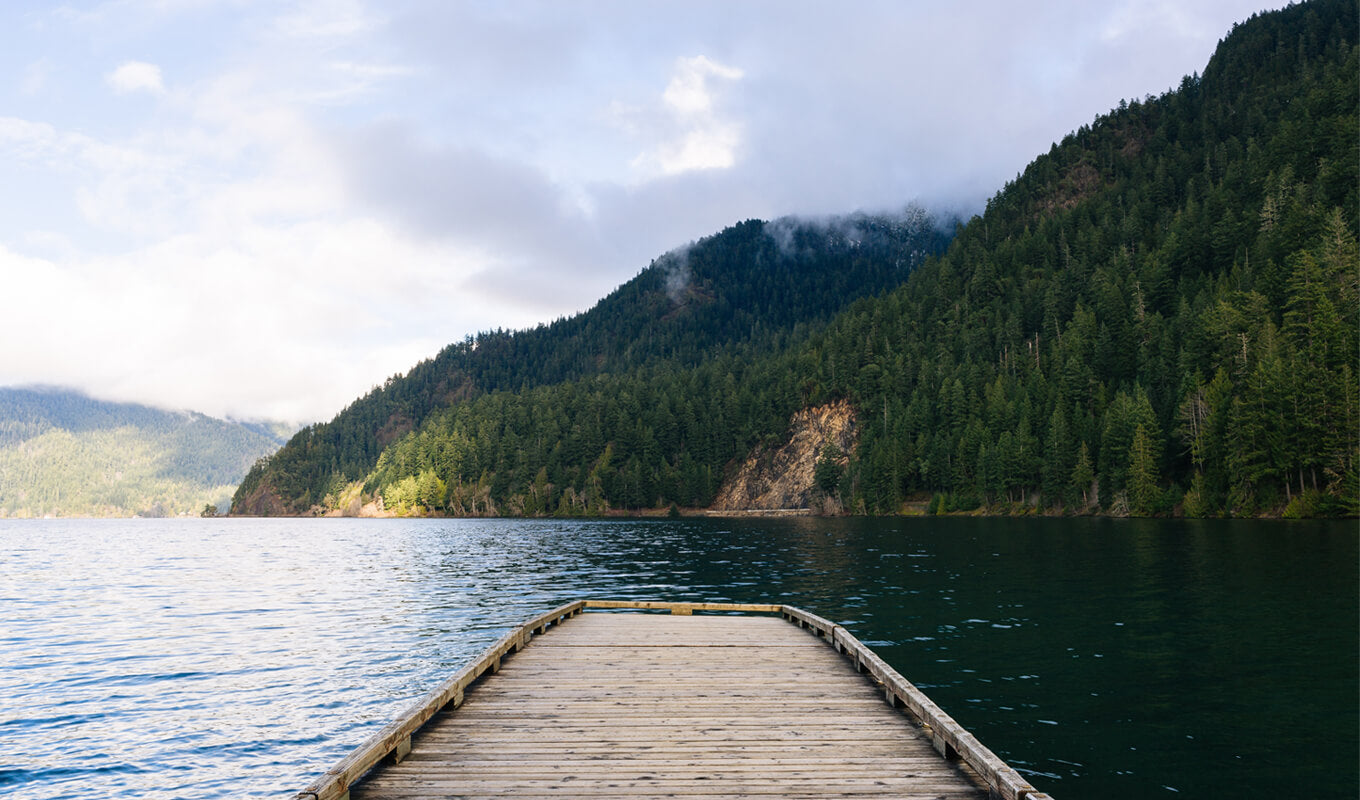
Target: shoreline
(912, 510)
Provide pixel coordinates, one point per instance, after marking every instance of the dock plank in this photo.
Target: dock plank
(644, 705)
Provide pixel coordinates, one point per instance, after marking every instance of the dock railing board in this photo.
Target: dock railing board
(393, 743)
(948, 736)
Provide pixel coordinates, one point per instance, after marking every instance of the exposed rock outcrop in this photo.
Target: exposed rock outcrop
(784, 477)
(261, 501)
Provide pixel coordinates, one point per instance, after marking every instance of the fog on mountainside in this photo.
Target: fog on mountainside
(1158, 316)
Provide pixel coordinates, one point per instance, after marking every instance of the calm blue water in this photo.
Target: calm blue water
(1104, 659)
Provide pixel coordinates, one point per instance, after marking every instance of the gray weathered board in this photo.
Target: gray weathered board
(615, 705)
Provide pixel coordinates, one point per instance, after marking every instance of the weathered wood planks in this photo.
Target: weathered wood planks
(649, 705)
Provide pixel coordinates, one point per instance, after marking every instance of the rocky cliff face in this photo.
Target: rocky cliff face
(784, 477)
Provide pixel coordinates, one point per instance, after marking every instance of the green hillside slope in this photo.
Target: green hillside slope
(1157, 316)
(748, 290)
(65, 454)
(1160, 312)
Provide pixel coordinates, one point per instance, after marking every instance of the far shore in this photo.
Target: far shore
(913, 509)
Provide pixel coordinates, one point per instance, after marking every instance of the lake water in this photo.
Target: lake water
(1101, 658)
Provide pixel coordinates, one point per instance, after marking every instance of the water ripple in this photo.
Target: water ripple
(240, 658)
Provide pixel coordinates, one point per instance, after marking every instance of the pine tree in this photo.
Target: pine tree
(1143, 478)
(1083, 475)
(1057, 455)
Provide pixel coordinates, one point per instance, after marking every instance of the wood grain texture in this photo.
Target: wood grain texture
(639, 705)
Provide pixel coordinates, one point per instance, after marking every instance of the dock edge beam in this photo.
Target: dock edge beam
(334, 784)
(949, 738)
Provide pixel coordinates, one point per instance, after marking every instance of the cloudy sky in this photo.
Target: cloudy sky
(262, 209)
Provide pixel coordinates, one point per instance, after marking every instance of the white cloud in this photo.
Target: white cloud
(325, 19)
(710, 146)
(688, 93)
(698, 136)
(136, 76)
(331, 190)
(127, 189)
(290, 321)
(248, 283)
(26, 139)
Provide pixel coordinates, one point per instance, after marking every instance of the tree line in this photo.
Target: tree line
(1158, 315)
(746, 293)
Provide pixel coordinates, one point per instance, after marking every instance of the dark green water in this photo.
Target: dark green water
(1101, 658)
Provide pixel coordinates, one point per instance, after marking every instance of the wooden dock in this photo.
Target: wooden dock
(629, 705)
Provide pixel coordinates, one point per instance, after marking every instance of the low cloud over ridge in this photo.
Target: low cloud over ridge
(265, 209)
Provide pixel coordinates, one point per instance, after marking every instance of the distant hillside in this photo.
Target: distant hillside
(65, 454)
(748, 290)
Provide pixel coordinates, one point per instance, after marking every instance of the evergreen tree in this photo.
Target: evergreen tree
(1166, 298)
(1143, 474)
(1083, 476)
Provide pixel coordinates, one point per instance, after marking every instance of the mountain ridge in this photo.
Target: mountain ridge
(1154, 317)
(65, 453)
(748, 288)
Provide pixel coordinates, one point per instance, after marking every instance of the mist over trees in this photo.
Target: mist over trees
(738, 297)
(1159, 315)
(1161, 310)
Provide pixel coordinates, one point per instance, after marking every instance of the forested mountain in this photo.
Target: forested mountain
(1161, 310)
(745, 292)
(65, 454)
(1158, 315)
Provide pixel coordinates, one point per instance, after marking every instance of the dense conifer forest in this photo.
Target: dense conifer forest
(1160, 315)
(744, 294)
